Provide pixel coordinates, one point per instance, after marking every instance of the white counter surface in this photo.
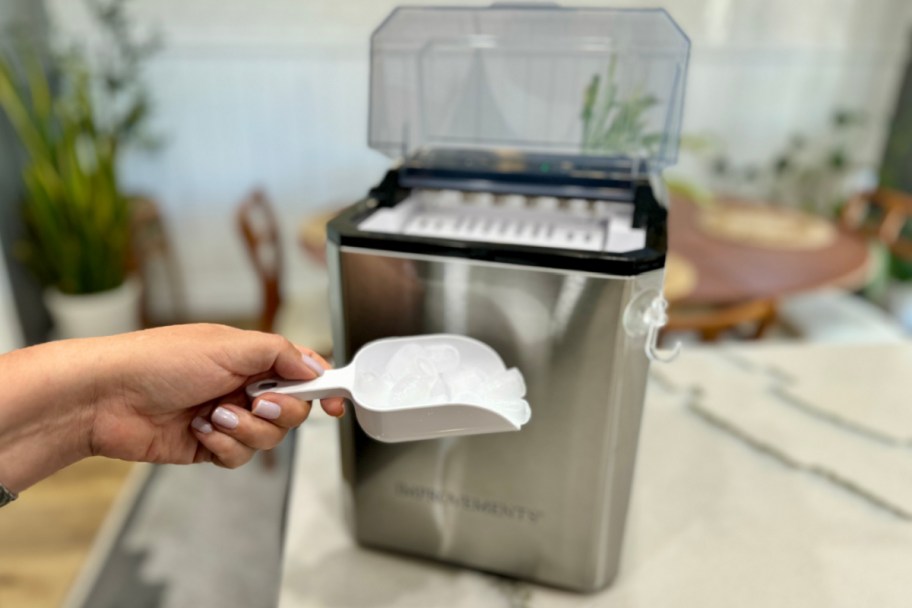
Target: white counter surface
(766, 476)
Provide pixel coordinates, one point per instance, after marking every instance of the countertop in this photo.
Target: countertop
(767, 475)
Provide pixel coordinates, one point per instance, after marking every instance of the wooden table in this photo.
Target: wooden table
(729, 272)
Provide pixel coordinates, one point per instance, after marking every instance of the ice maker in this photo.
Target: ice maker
(524, 210)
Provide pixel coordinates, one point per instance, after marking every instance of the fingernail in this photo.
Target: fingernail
(225, 418)
(312, 364)
(201, 425)
(267, 409)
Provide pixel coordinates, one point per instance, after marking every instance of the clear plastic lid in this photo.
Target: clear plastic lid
(530, 78)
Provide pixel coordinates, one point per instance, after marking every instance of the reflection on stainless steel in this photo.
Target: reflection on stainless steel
(455, 300)
(546, 503)
(570, 294)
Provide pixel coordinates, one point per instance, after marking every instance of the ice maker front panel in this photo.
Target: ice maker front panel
(547, 503)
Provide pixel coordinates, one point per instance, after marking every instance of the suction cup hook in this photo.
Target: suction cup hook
(646, 315)
(656, 318)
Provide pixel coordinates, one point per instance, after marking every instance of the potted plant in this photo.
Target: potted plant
(73, 123)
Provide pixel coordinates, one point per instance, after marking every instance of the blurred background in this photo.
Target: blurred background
(796, 106)
(208, 142)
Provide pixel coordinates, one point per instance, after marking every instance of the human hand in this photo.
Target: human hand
(176, 394)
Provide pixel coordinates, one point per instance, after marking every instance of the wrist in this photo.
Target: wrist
(46, 410)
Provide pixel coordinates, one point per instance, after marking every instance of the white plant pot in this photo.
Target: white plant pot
(96, 314)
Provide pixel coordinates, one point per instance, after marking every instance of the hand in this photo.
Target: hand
(167, 395)
(176, 395)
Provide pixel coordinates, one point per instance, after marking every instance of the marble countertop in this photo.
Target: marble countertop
(767, 475)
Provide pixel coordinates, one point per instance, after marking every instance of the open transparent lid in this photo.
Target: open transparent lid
(529, 78)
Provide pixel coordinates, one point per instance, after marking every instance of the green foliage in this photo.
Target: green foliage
(76, 216)
(77, 220)
(901, 268)
(612, 124)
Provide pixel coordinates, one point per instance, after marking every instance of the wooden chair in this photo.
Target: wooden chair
(260, 231)
(302, 320)
(711, 322)
(881, 214)
(153, 260)
(836, 315)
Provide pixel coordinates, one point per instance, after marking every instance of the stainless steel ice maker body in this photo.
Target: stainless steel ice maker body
(525, 211)
(547, 503)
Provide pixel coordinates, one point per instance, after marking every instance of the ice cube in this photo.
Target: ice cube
(481, 199)
(367, 381)
(517, 410)
(465, 379)
(513, 201)
(505, 386)
(439, 392)
(412, 389)
(546, 203)
(404, 361)
(445, 357)
(449, 198)
(426, 367)
(578, 206)
(513, 405)
(371, 387)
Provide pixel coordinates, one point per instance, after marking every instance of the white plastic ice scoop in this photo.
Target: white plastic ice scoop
(421, 387)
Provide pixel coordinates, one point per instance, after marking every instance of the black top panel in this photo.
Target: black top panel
(344, 232)
(535, 174)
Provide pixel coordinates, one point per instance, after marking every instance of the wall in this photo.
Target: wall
(275, 93)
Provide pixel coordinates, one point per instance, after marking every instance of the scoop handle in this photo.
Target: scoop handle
(333, 383)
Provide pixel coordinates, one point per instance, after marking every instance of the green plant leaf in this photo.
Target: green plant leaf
(12, 99)
(77, 221)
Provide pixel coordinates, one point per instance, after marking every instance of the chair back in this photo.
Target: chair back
(153, 260)
(882, 214)
(260, 231)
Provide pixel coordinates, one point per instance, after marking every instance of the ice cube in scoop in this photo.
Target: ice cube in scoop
(505, 386)
(412, 389)
(404, 362)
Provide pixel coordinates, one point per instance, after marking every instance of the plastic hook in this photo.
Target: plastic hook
(656, 318)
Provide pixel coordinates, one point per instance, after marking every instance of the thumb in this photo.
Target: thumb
(272, 353)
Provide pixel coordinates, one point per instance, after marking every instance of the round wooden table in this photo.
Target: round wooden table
(728, 272)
